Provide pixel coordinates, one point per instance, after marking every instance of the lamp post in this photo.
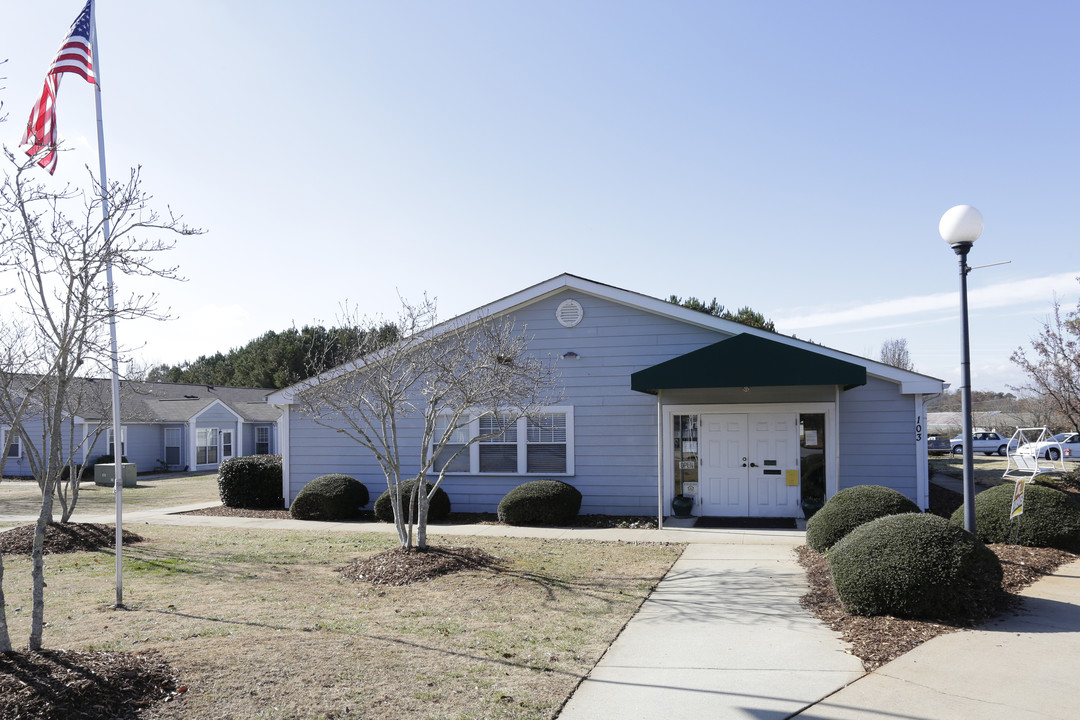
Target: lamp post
(961, 226)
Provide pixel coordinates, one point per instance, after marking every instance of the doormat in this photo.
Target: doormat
(758, 523)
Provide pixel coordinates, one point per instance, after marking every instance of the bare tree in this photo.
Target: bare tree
(416, 404)
(56, 258)
(1054, 365)
(895, 352)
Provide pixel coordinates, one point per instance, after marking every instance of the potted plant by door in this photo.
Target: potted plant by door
(681, 505)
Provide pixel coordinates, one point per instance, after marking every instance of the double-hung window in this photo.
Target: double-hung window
(172, 446)
(206, 446)
(14, 444)
(498, 453)
(112, 441)
(539, 445)
(546, 444)
(262, 440)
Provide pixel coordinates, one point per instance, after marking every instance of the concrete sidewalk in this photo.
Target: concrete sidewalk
(722, 636)
(1021, 667)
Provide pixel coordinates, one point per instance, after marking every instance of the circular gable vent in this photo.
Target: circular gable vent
(569, 313)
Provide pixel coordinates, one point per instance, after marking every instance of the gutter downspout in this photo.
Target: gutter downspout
(660, 459)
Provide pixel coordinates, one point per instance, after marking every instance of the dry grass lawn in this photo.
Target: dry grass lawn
(152, 491)
(260, 624)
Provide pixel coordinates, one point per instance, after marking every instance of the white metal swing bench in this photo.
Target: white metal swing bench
(1026, 465)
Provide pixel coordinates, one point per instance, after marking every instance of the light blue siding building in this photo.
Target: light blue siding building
(658, 401)
(164, 426)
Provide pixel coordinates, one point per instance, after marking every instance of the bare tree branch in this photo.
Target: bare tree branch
(442, 377)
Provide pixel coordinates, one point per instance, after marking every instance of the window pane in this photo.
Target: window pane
(459, 436)
(549, 427)
(458, 464)
(498, 458)
(489, 425)
(550, 458)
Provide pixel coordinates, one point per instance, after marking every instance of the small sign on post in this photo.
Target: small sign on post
(1018, 500)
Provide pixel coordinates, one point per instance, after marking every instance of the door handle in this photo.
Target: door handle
(753, 465)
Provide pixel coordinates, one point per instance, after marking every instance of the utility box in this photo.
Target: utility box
(105, 475)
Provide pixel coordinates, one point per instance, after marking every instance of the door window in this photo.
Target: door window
(685, 452)
(812, 456)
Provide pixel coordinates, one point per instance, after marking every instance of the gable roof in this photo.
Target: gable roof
(910, 382)
(175, 402)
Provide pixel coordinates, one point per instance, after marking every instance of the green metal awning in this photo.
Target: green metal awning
(747, 361)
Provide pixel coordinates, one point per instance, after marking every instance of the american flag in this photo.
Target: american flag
(75, 56)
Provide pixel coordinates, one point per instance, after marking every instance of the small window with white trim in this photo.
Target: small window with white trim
(262, 440)
(112, 441)
(14, 445)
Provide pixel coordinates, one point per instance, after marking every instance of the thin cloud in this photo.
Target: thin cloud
(1042, 289)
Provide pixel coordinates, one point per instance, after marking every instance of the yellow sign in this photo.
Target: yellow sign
(792, 477)
(1018, 500)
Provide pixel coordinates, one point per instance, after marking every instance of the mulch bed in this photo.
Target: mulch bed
(877, 640)
(64, 538)
(75, 685)
(402, 567)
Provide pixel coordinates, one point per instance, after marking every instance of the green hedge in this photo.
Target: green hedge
(252, 482)
(914, 565)
(438, 508)
(330, 497)
(540, 502)
(848, 509)
(1051, 518)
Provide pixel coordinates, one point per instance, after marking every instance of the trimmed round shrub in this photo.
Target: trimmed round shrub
(915, 565)
(330, 497)
(253, 481)
(848, 509)
(540, 502)
(438, 508)
(1050, 519)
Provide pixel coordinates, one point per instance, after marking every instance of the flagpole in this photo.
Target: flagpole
(118, 438)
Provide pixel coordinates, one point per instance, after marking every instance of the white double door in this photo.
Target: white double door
(747, 462)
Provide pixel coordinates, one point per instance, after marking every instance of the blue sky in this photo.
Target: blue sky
(794, 157)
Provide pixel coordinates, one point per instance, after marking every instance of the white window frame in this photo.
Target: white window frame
(262, 429)
(8, 441)
(522, 446)
(110, 443)
(179, 445)
(230, 444)
(216, 445)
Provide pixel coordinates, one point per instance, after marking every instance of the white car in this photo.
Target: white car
(987, 443)
(1052, 449)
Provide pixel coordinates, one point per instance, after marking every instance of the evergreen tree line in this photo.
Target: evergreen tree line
(274, 359)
